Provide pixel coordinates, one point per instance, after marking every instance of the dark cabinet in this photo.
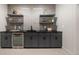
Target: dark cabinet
(30, 40)
(56, 40)
(44, 40)
(33, 40)
(59, 39)
(53, 38)
(6, 40)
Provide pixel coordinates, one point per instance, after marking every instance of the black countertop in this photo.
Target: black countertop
(29, 31)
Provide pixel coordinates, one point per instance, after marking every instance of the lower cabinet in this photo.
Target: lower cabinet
(44, 40)
(56, 40)
(59, 39)
(33, 40)
(30, 40)
(6, 40)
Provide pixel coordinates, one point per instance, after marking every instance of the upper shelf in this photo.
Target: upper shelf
(47, 15)
(14, 15)
(46, 22)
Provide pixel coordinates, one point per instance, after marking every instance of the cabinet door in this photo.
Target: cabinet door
(44, 40)
(35, 40)
(6, 40)
(30, 40)
(55, 41)
(59, 38)
(27, 41)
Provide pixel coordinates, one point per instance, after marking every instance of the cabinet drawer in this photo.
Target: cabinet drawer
(44, 34)
(27, 33)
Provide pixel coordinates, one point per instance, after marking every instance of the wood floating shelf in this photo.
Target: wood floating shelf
(15, 22)
(47, 15)
(46, 23)
(14, 15)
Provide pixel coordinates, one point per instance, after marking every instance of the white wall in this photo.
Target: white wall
(31, 13)
(67, 24)
(3, 14)
(77, 29)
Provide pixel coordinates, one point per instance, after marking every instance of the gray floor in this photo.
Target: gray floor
(52, 51)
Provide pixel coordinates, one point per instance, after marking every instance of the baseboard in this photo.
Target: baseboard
(43, 47)
(67, 51)
(6, 47)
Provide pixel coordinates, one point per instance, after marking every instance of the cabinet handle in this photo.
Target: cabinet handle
(56, 38)
(31, 37)
(6, 38)
(44, 38)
